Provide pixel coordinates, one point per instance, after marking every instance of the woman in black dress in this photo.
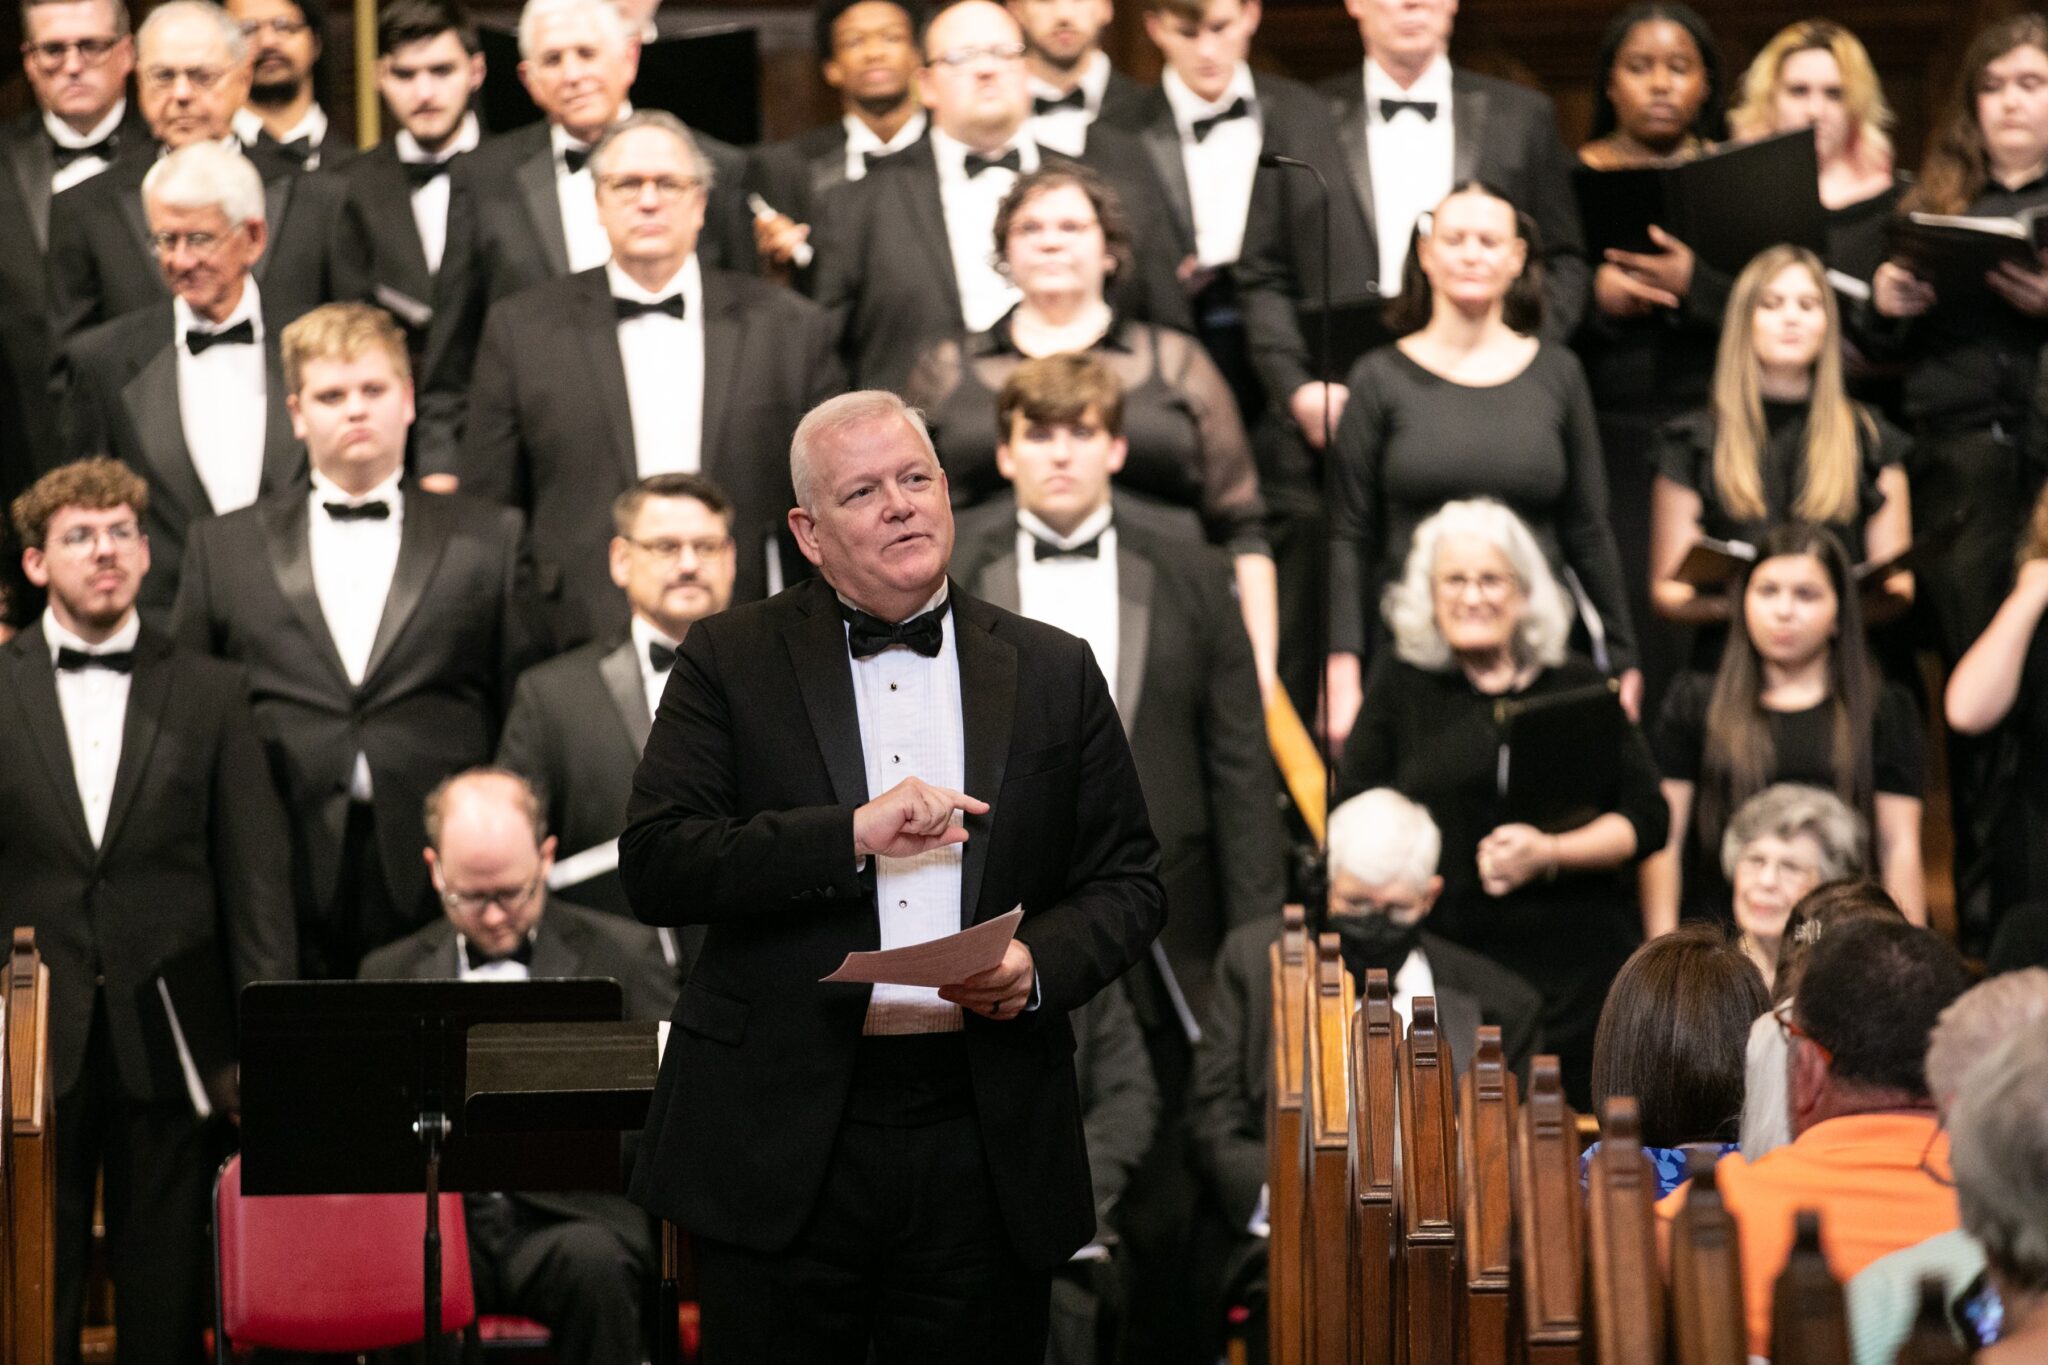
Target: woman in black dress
(1476, 619)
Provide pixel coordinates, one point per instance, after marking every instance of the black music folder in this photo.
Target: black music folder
(1727, 205)
(1560, 763)
(1954, 253)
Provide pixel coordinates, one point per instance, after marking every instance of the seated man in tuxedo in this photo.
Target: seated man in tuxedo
(192, 75)
(190, 392)
(646, 365)
(579, 721)
(282, 116)
(904, 256)
(138, 831)
(381, 628)
(1072, 82)
(579, 1262)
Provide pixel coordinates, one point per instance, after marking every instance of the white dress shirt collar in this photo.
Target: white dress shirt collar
(1187, 106)
(1433, 84)
(1411, 983)
(248, 309)
(652, 680)
(1092, 525)
(1094, 81)
(687, 281)
(861, 142)
(465, 140)
(62, 134)
(560, 142)
(951, 154)
(57, 637)
(930, 603)
(326, 490)
(312, 126)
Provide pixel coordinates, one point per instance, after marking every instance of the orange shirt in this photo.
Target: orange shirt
(1861, 1172)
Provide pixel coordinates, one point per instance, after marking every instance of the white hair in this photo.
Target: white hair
(609, 20)
(1976, 1022)
(700, 164)
(207, 175)
(1409, 604)
(833, 418)
(1999, 1151)
(1384, 839)
(230, 30)
(1786, 810)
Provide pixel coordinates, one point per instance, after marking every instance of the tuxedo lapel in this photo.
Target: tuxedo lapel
(1161, 137)
(34, 164)
(283, 458)
(599, 328)
(291, 565)
(557, 948)
(817, 652)
(725, 330)
(536, 178)
(620, 671)
(137, 219)
(1469, 108)
(422, 540)
(151, 398)
(149, 689)
(996, 584)
(388, 190)
(917, 185)
(42, 719)
(1347, 111)
(277, 200)
(1133, 631)
(988, 704)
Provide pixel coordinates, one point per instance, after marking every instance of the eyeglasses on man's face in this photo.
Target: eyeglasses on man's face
(52, 56)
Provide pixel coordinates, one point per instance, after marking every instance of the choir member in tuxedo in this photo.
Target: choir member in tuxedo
(393, 228)
(283, 118)
(580, 1262)
(579, 721)
(867, 52)
(903, 257)
(1155, 608)
(648, 364)
(1072, 83)
(192, 74)
(669, 75)
(380, 627)
(799, 795)
(1391, 142)
(138, 828)
(522, 209)
(190, 393)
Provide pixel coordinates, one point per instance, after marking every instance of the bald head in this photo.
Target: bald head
(489, 852)
(974, 79)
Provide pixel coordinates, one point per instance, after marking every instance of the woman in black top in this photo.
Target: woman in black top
(1475, 619)
(1467, 404)
(1794, 700)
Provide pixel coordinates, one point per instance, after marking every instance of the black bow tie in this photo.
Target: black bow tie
(867, 636)
(474, 957)
(1426, 108)
(574, 157)
(1202, 127)
(628, 309)
(71, 660)
(300, 150)
(420, 174)
(242, 333)
(104, 149)
(1009, 161)
(1077, 98)
(661, 656)
(358, 511)
(1087, 549)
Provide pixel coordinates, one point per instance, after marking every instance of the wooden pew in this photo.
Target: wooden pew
(1372, 1165)
(1707, 1326)
(1326, 1140)
(1549, 1221)
(1283, 1140)
(31, 1156)
(7, 1308)
(1429, 1228)
(1486, 1126)
(1621, 1243)
(1809, 1319)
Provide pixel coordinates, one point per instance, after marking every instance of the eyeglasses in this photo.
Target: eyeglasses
(1945, 1178)
(84, 540)
(1000, 53)
(201, 78)
(1793, 1030)
(281, 26)
(476, 902)
(1492, 586)
(671, 551)
(199, 243)
(51, 56)
(667, 188)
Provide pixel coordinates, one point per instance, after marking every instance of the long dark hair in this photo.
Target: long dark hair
(1958, 165)
(1521, 310)
(1739, 759)
(1711, 122)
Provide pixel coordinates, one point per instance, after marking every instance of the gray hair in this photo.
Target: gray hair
(207, 175)
(1789, 809)
(608, 17)
(666, 122)
(170, 10)
(833, 418)
(1409, 604)
(1999, 1151)
(1976, 1022)
(1383, 839)
(116, 11)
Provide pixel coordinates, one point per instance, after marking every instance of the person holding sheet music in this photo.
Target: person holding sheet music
(1468, 403)
(1479, 623)
(1796, 699)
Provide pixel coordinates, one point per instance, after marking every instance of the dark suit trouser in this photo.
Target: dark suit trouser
(157, 1162)
(904, 1259)
(575, 1275)
(362, 916)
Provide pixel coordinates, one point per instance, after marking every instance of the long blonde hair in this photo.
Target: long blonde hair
(1833, 453)
(1869, 146)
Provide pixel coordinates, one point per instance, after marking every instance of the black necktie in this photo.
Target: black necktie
(300, 150)
(661, 656)
(574, 157)
(1045, 549)
(71, 660)
(1008, 161)
(242, 333)
(104, 149)
(475, 957)
(1426, 108)
(628, 309)
(420, 174)
(1202, 127)
(1077, 99)
(359, 511)
(867, 636)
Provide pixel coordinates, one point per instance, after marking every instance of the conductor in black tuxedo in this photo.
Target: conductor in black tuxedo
(138, 835)
(381, 628)
(190, 392)
(578, 1262)
(579, 721)
(649, 364)
(886, 1168)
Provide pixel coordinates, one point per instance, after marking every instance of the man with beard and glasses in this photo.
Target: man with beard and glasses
(283, 116)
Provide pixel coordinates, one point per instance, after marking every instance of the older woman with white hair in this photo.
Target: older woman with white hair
(1782, 843)
(1477, 619)
(1999, 1150)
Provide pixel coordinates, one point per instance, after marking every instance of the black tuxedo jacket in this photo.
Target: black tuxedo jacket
(1505, 135)
(377, 252)
(1234, 1060)
(1188, 697)
(123, 401)
(551, 431)
(796, 174)
(194, 853)
(885, 266)
(741, 819)
(449, 643)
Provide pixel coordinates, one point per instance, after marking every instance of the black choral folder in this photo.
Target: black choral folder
(1560, 756)
(1727, 205)
(1954, 253)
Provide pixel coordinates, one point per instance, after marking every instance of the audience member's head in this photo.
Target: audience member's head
(192, 71)
(577, 59)
(1815, 74)
(867, 50)
(1999, 1150)
(1204, 42)
(429, 66)
(1061, 33)
(284, 47)
(1061, 419)
(1474, 255)
(489, 852)
(80, 527)
(872, 508)
(77, 55)
(1061, 234)
(206, 220)
(1659, 81)
(1783, 842)
(672, 551)
(1476, 583)
(1383, 879)
(974, 80)
(1981, 1018)
(1825, 908)
(1403, 37)
(652, 181)
(348, 385)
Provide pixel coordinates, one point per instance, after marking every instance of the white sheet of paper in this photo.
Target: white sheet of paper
(578, 868)
(939, 962)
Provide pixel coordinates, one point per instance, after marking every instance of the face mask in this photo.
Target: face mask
(1373, 940)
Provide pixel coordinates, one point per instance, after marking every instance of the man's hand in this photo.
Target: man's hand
(1305, 405)
(910, 818)
(1002, 991)
(777, 237)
